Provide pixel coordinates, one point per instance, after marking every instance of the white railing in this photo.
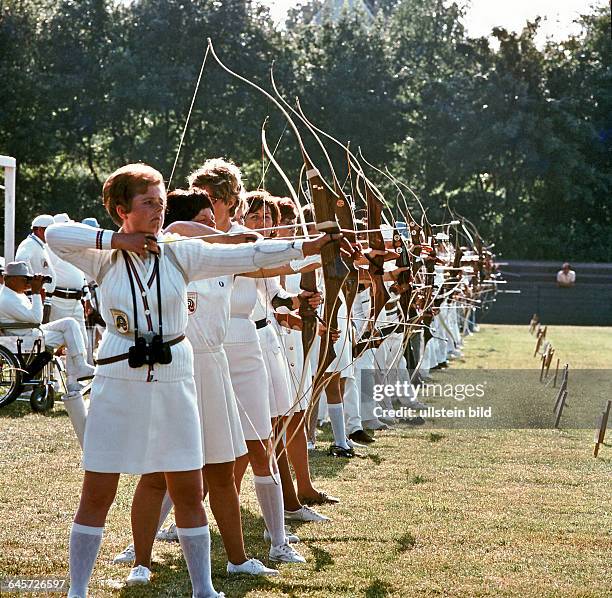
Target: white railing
(10, 170)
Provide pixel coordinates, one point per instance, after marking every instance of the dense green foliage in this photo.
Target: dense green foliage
(516, 138)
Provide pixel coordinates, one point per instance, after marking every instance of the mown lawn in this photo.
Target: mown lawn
(457, 513)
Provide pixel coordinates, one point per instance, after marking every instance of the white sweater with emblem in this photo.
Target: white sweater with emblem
(180, 262)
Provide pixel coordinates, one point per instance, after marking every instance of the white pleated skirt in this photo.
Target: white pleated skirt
(250, 384)
(279, 394)
(140, 427)
(222, 436)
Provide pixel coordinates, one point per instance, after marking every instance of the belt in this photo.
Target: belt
(75, 294)
(124, 356)
(261, 323)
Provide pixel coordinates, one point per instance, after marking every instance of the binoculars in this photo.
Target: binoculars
(143, 353)
(45, 278)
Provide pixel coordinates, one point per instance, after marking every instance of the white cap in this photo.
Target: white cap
(61, 218)
(43, 221)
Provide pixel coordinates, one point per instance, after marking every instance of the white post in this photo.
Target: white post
(10, 171)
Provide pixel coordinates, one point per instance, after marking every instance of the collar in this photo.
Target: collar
(41, 243)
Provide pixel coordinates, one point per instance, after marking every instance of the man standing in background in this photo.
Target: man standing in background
(566, 277)
(34, 251)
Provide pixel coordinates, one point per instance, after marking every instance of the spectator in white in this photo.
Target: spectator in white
(566, 277)
(34, 251)
(70, 288)
(15, 306)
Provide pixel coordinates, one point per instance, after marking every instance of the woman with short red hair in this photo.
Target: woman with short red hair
(143, 415)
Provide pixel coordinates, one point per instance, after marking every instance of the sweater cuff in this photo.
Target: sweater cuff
(269, 254)
(104, 238)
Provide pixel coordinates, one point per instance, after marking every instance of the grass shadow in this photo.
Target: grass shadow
(322, 558)
(323, 465)
(378, 589)
(406, 542)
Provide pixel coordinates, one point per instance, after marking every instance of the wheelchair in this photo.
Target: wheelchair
(25, 363)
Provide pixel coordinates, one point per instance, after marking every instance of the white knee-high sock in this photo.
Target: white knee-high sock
(84, 546)
(270, 497)
(166, 507)
(195, 542)
(75, 407)
(336, 416)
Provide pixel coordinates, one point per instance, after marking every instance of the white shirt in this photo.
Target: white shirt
(568, 278)
(267, 289)
(35, 252)
(208, 308)
(180, 262)
(67, 276)
(17, 307)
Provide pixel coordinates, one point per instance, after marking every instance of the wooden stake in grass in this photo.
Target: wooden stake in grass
(560, 408)
(538, 343)
(602, 425)
(562, 388)
(543, 365)
(556, 373)
(549, 360)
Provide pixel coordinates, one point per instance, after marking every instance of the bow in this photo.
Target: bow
(342, 205)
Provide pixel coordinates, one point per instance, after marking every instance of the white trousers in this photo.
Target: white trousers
(352, 405)
(68, 308)
(65, 332)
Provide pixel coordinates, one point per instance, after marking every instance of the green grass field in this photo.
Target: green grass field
(427, 513)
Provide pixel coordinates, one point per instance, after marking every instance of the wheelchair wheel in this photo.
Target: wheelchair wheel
(10, 377)
(42, 398)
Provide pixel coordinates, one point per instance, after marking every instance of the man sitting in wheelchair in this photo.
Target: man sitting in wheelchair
(16, 307)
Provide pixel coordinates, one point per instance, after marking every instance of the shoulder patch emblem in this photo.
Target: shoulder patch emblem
(192, 302)
(120, 318)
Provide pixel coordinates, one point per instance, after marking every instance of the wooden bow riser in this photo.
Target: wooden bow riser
(380, 295)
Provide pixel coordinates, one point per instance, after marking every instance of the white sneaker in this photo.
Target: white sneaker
(217, 595)
(305, 514)
(285, 553)
(310, 445)
(139, 576)
(168, 534)
(352, 444)
(127, 556)
(291, 538)
(250, 567)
